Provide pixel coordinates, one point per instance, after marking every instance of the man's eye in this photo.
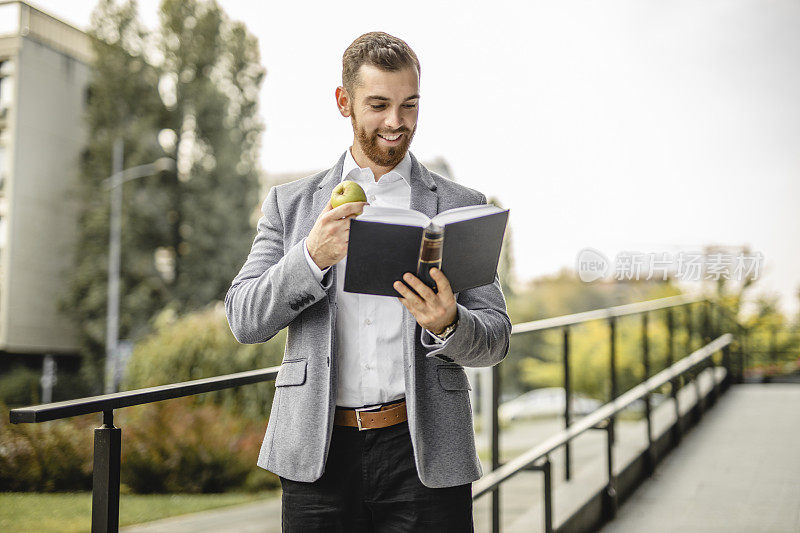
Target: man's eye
(410, 106)
(378, 106)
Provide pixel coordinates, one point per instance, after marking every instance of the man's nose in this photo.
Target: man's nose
(393, 119)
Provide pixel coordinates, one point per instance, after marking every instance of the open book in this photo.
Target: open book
(386, 242)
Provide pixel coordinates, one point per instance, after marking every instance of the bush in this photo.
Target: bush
(20, 386)
(174, 446)
(46, 457)
(170, 446)
(201, 345)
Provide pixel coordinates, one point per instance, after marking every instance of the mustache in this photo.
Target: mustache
(401, 130)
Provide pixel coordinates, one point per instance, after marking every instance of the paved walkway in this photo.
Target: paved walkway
(737, 471)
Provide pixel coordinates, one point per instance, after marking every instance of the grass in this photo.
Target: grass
(72, 512)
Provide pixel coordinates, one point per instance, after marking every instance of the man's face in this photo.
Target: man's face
(384, 112)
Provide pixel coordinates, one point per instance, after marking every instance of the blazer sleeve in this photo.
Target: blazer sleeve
(484, 329)
(272, 287)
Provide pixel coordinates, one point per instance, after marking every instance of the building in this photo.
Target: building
(44, 73)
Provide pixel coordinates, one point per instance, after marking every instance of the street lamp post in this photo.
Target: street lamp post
(114, 184)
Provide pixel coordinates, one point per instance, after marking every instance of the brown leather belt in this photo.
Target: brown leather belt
(371, 417)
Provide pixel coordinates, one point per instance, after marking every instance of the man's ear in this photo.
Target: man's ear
(343, 101)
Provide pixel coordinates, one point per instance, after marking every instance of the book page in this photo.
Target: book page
(393, 215)
(465, 213)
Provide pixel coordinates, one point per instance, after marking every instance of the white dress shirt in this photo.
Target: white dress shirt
(369, 327)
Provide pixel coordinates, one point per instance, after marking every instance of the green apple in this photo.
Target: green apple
(347, 191)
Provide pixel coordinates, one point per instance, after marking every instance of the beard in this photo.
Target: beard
(384, 156)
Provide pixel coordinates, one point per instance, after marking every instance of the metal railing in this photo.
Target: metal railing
(107, 438)
(714, 318)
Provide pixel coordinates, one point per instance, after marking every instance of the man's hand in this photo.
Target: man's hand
(327, 241)
(434, 311)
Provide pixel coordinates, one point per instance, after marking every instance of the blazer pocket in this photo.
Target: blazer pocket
(291, 373)
(453, 378)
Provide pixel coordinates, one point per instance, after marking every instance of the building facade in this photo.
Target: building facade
(44, 74)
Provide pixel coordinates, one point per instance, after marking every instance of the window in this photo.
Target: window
(6, 71)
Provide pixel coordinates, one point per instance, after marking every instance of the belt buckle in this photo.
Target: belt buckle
(358, 411)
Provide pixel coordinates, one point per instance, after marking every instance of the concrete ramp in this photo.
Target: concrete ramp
(736, 471)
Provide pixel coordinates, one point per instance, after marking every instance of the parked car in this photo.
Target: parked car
(545, 402)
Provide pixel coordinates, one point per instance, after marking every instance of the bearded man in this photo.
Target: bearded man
(371, 423)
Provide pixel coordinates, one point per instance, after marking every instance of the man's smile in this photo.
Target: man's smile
(391, 139)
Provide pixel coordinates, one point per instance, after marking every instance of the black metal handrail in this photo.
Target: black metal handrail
(709, 325)
(606, 313)
(107, 451)
(117, 400)
(590, 421)
(108, 439)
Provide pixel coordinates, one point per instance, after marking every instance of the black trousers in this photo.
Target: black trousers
(370, 484)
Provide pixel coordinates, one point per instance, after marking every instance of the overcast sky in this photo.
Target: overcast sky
(635, 125)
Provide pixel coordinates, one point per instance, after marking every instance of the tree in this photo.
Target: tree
(194, 81)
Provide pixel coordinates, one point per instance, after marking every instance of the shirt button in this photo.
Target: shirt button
(368, 321)
(371, 197)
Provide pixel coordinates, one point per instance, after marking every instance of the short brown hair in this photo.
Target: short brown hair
(379, 50)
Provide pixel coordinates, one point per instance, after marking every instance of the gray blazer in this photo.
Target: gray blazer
(276, 288)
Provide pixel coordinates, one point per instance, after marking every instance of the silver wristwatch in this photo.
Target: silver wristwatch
(448, 330)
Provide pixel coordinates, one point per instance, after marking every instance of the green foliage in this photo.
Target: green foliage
(176, 446)
(171, 446)
(534, 359)
(201, 345)
(46, 457)
(196, 76)
(20, 386)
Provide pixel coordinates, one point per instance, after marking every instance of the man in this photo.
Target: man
(371, 426)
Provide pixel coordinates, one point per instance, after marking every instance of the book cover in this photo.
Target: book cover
(385, 243)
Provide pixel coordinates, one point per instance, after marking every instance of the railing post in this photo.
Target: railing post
(548, 496)
(567, 406)
(495, 448)
(742, 352)
(726, 364)
(545, 468)
(612, 324)
(105, 484)
(610, 502)
(692, 372)
(675, 382)
(647, 407)
(773, 351)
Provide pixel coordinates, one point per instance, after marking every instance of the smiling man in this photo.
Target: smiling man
(371, 425)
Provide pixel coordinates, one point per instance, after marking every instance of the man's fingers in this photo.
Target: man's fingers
(350, 208)
(417, 284)
(442, 283)
(407, 293)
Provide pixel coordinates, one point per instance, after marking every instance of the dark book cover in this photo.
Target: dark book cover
(379, 253)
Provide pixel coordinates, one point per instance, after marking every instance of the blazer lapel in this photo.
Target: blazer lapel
(423, 190)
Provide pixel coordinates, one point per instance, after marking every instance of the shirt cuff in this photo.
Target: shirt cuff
(436, 338)
(318, 273)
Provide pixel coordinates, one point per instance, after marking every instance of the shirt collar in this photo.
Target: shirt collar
(403, 168)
